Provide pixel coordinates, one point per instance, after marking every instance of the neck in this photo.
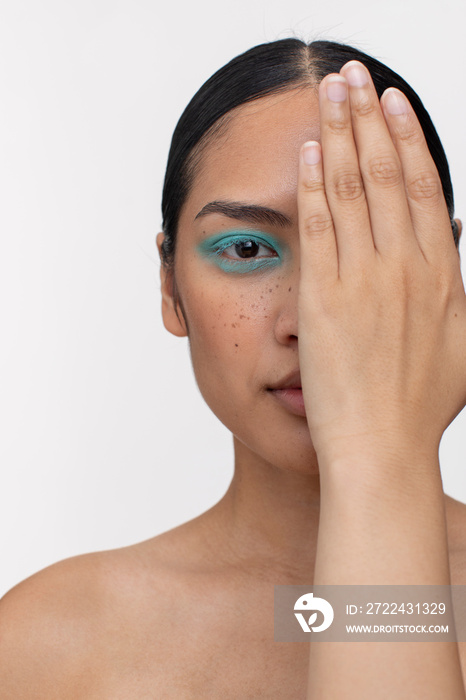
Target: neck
(269, 519)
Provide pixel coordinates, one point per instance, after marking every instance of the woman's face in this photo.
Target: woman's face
(237, 275)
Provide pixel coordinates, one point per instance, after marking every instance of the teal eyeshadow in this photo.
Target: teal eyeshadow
(212, 248)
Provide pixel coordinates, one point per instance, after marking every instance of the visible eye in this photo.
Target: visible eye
(248, 248)
(243, 251)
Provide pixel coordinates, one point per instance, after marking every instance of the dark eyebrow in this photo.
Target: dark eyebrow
(254, 213)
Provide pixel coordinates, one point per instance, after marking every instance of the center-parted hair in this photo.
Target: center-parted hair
(265, 70)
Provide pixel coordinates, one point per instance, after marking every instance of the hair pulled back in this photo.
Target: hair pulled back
(266, 69)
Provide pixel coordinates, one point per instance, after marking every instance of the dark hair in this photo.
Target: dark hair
(263, 70)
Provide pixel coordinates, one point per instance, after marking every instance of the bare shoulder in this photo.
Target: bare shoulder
(55, 626)
(64, 629)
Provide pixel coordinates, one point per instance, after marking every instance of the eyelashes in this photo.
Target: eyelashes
(226, 250)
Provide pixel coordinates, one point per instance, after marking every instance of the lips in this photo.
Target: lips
(289, 394)
(290, 381)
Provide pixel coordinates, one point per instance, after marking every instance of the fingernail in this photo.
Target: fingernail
(311, 153)
(395, 101)
(336, 89)
(356, 74)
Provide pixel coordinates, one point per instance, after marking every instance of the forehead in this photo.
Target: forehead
(255, 157)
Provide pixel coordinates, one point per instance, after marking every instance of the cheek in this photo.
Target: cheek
(233, 327)
(230, 327)
(225, 323)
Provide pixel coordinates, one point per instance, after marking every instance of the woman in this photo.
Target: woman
(309, 253)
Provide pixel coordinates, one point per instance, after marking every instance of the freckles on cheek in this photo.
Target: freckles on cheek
(221, 322)
(252, 319)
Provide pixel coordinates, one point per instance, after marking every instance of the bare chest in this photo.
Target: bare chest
(208, 644)
(218, 666)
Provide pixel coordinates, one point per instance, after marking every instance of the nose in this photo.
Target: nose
(286, 320)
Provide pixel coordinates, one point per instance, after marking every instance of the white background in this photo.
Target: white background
(105, 439)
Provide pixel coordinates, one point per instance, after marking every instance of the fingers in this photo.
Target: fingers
(426, 202)
(342, 174)
(380, 165)
(318, 248)
(376, 188)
